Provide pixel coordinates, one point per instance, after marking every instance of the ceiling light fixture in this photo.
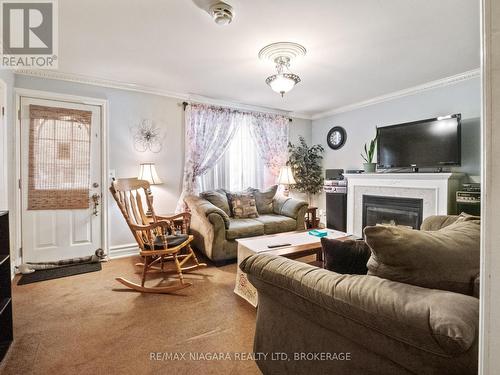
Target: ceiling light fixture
(281, 54)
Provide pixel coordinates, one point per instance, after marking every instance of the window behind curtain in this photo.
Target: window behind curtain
(240, 167)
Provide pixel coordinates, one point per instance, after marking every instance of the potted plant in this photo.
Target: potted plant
(305, 162)
(369, 166)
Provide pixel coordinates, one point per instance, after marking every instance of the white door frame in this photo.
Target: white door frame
(17, 213)
(489, 324)
(4, 136)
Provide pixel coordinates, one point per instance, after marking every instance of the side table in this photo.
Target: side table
(312, 219)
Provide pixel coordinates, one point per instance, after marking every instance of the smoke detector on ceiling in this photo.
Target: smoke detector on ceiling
(222, 13)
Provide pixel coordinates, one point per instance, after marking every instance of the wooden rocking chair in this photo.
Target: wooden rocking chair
(158, 237)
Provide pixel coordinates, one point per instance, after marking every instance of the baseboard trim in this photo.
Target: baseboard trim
(122, 251)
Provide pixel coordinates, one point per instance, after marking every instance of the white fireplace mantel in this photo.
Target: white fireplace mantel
(437, 190)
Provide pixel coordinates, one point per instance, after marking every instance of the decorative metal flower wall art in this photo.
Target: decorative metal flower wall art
(147, 136)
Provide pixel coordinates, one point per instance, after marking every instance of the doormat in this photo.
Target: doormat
(56, 273)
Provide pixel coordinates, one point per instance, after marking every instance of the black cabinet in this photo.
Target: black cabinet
(6, 335)
(336, 211)
(471, 208)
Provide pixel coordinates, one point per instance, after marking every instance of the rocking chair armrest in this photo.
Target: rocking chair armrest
(181, 215)
(160, 223)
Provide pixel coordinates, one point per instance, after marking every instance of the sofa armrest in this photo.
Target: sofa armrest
(440, 322)
(437, 222)
(208, 226)
(290, 207)
(476, 286)
(200, 206)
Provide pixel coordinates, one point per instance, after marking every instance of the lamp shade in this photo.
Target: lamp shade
(282, 83)
(286, 176)
(147, 171)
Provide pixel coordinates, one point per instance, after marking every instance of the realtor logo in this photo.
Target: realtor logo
(29, 34)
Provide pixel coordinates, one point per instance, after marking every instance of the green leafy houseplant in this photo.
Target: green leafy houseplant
(369, 152)
(305, 162)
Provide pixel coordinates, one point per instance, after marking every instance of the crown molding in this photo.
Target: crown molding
(94, 81)
(470, 74)
(120, 85)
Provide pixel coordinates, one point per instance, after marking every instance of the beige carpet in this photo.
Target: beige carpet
(79, 325)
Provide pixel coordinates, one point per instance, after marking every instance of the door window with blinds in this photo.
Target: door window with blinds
(59, 158)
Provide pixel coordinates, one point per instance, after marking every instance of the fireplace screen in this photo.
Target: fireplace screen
(396, 211)
(59, 158)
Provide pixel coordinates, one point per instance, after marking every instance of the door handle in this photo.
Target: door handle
(95, 201)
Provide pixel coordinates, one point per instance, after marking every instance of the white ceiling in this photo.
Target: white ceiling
(357, 49)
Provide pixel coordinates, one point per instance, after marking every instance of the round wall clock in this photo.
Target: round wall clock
(336, 137)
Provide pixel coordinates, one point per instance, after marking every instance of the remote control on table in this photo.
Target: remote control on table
(279, 245)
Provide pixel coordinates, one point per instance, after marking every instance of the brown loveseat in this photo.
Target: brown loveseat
(215, 230)
(361, 324)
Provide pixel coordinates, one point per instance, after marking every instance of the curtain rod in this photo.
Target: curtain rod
(185, 104)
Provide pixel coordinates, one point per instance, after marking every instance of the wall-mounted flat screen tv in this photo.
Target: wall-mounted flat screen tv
(427, 143)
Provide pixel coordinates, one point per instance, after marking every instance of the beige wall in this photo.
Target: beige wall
(462, 97)
(126, 109)
(360, 124)
(300, 127)
(490, 273)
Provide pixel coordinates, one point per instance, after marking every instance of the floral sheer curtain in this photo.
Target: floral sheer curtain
(208, 131)
(270, 133)
(241, 165)
(212, 131)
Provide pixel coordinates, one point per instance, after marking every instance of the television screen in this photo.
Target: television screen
(426, 143)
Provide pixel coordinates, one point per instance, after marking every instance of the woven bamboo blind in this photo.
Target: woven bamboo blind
(59, 158)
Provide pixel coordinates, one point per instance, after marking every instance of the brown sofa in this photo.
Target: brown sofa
(215, 232)
(368, 324)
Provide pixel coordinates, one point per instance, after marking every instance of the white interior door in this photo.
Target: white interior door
(55, 233)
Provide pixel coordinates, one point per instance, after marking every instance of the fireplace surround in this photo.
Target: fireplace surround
(436, 190)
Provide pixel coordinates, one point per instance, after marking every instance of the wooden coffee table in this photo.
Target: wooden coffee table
(301, 244)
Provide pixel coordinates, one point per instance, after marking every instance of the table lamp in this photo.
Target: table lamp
(147, 171)
(285, 178)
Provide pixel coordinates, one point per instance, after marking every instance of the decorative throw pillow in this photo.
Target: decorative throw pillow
(243, 205)
(446, 259)
(218, 198)
(264, 199)
(345, 256)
